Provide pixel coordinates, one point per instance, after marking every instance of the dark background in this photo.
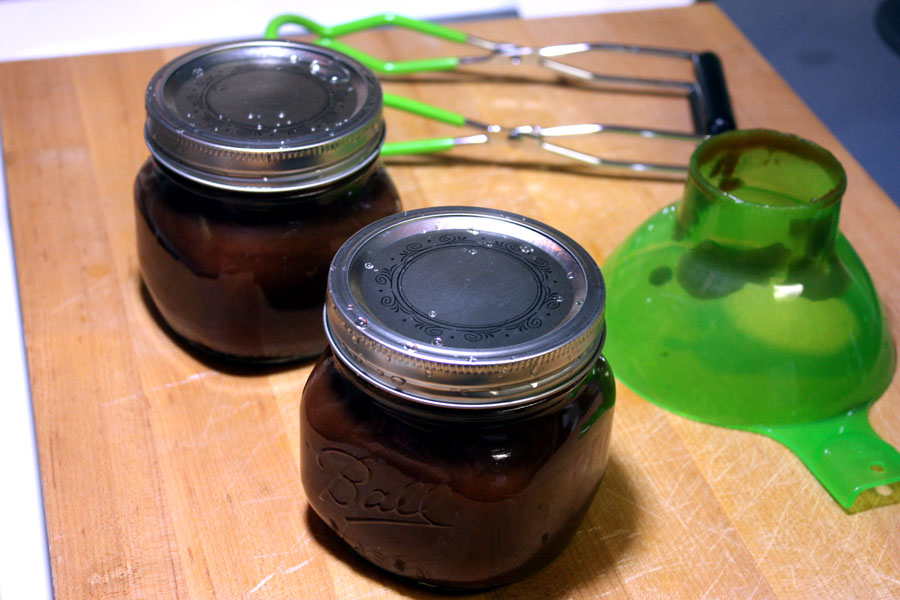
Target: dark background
(832, 55)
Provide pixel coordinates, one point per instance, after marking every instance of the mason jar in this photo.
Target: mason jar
(264, 160)
(457, 429)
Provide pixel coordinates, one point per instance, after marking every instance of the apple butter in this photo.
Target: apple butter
(457, 429)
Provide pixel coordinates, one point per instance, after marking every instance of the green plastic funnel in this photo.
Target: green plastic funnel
(742, 305)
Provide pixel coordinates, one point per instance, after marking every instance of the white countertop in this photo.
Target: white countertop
(24, 569)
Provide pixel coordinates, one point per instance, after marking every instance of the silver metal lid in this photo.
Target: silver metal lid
(465, 307)
(264, 115)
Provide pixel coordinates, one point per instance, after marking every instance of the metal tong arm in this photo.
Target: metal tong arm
(708, 93)
(542, 135)
(710, 105)
(533, 132)
(428, 146)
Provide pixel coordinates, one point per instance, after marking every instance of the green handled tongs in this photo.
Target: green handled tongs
(708, 95)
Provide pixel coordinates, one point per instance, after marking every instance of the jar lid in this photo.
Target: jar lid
(264, 115)
(465, 307)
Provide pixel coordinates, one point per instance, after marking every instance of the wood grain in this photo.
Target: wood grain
(167, 478)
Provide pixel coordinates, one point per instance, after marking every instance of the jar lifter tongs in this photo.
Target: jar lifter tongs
(707, 94)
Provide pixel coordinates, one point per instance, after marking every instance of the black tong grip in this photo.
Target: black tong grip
(710, 104)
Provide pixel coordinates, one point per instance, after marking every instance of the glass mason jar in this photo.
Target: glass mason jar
(264, 160)
(458, 427)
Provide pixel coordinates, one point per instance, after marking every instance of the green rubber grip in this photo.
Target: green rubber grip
(327, 35)
(418, 146)
(454, 35)
(281, 20)
(383, 19)
(403, 67)
(424, 110)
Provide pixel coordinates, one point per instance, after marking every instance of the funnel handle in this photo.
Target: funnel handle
(847, 457)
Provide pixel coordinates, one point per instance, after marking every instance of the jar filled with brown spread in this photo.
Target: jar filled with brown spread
(264, 160)
(458, 427)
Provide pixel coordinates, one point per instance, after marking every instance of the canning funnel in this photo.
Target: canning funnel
(742, 305)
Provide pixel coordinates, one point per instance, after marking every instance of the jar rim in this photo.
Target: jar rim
(743, 140)
(519, 307)
(264, 115)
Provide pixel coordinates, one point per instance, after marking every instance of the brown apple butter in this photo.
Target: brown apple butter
(458, 428)
(264, 161)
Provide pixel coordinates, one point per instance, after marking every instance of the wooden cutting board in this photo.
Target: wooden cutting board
(165, 478)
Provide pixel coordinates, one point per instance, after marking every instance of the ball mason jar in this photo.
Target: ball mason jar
(264, 160)
(457, 429)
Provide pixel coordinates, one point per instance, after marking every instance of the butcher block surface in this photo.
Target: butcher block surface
(167, 476)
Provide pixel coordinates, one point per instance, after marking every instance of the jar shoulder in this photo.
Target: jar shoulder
(476, 454)
(370, 188)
